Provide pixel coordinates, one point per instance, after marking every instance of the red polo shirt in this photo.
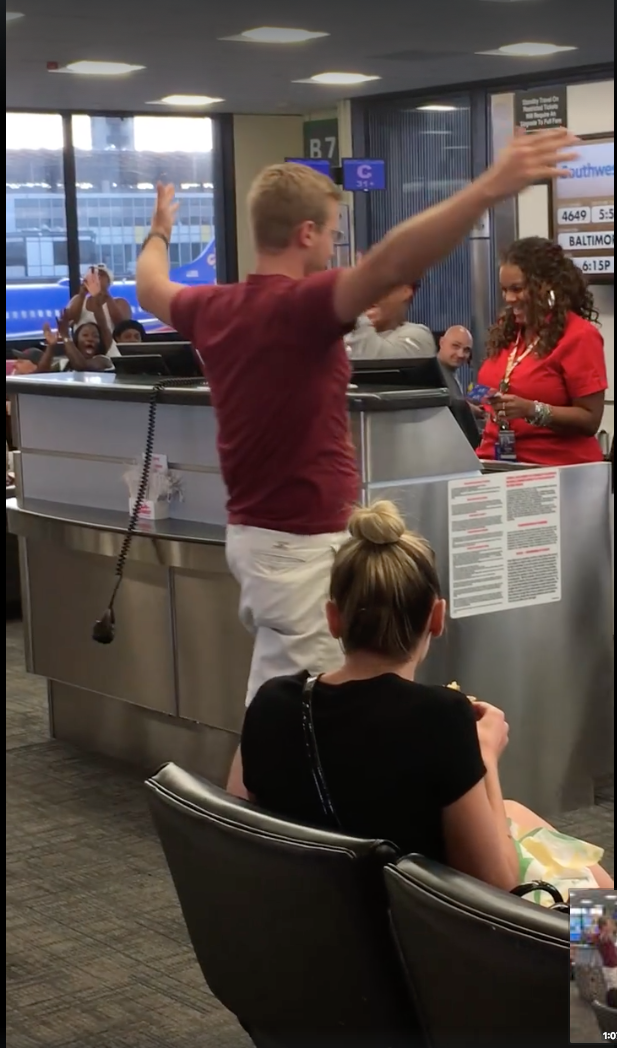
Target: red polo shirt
(575, 368)
(273, 354)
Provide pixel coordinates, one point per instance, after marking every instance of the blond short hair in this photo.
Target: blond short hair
(384, 583)
(284, 196)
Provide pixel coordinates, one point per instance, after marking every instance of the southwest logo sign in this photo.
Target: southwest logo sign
(592, 175)
(591, 171)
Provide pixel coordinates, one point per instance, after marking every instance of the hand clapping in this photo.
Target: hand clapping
(92, 283)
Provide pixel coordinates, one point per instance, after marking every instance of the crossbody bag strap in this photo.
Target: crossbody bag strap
(312, 751)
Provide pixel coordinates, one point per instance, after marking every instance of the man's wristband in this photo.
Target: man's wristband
(155, 236)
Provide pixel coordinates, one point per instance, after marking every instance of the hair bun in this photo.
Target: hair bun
(380, 524)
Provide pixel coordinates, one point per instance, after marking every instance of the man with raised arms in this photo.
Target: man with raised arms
(273, 351)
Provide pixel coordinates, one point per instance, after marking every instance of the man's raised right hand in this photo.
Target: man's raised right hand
(529, 158)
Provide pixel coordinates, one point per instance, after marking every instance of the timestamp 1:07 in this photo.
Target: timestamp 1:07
(609, 1035)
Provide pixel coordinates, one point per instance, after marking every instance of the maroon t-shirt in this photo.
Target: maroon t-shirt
(273, 355)
(608, 952)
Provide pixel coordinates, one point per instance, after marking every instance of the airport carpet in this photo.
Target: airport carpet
(97, 953)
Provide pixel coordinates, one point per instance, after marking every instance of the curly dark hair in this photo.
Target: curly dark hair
(546, 268)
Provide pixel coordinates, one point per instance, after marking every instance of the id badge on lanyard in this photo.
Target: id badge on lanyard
(505, 445)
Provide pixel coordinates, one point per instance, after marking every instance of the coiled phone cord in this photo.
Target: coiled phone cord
(104, 629)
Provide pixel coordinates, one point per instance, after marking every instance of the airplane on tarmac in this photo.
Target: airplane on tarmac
(29, 306)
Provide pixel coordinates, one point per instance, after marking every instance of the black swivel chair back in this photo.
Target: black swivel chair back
(486, 968)
(606, 1017)
(289, 924)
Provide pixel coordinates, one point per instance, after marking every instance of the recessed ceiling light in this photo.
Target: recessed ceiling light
(185, 100)
(528, 50)
(338, 79)
(12, 16)
(269, 34)
(88, 68)
(437, 109)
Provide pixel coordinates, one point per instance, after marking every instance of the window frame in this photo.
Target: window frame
(223, 182)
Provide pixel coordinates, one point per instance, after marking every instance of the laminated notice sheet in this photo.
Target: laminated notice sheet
(504, 541)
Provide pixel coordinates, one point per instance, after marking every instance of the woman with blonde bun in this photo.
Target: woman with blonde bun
(367, 749)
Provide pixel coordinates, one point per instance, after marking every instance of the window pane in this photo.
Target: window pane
(37, 286)
(118, 162)
(428, 158)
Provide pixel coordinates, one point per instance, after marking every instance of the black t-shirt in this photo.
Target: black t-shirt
(394, 754)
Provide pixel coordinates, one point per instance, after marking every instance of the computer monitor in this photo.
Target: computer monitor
(179, 357)
(362, 176)
(322, 166)
(419, 373)
(141, 364)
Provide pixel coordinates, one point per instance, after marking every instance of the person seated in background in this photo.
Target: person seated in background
(96, 285)
(406, 762)
(454, 350)
(545, 362)
(35, 361)
(88, 349)
(129, 331)
(384, 333)
(27, 361)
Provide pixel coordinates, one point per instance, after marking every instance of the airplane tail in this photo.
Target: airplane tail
(201, 271)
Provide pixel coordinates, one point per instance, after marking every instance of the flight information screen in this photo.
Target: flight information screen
(323, 166)
(584, 208)
(361, 176)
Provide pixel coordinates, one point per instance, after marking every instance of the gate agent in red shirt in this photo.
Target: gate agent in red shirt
(545, 361)
(272, 348)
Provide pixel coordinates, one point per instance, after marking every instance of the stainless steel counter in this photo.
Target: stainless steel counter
(108, 386)
(171, 686)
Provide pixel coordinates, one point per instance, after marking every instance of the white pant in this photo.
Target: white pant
(610, 978)
(284, 585)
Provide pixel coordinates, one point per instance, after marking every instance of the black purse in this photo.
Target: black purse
(559, 904)
(312, 751)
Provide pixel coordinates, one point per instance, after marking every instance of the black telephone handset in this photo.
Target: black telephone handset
(104, 629)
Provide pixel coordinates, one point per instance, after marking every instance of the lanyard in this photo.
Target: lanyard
(514, 360)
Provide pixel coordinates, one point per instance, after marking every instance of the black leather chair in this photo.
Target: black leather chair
(606, 1018)
(289, 924)
(486, 968)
